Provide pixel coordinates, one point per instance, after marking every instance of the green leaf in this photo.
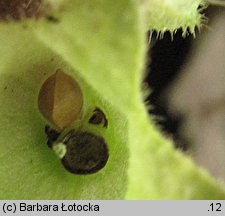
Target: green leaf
(167, 15)
(158, 171)
(96, 37)
(30, 170)
(102, 45)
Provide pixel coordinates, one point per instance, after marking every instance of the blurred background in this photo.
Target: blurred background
(187, 79)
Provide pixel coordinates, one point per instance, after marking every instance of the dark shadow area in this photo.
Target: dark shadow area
(166, 56)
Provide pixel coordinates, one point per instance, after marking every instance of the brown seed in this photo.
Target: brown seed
(86, 153)
(60, 100)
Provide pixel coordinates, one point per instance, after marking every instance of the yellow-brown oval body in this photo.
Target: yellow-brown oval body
(60, 100)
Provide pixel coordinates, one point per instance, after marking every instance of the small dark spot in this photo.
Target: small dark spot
(86, 153)
(5, 88)
(98, 118)
(52, 135)
(52, 19)
(52, 59)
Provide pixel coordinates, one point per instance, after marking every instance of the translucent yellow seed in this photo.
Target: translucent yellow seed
(60, 100)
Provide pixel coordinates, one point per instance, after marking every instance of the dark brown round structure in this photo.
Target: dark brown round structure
(86, 153)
